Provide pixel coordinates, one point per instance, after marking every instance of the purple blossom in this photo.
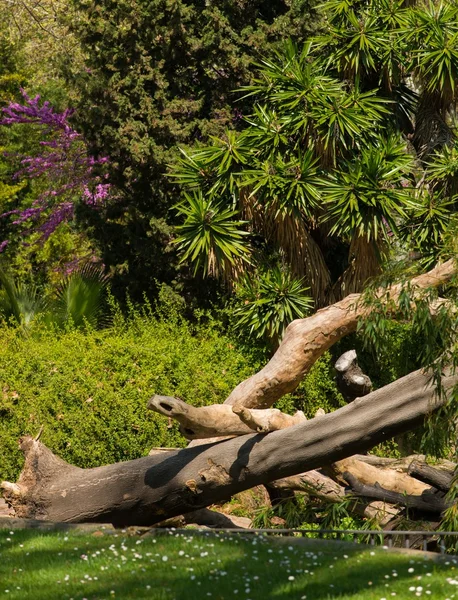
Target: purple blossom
(69, 171)
(3, 245)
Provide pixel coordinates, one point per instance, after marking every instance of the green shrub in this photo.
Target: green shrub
(317, 390)
(89, 388)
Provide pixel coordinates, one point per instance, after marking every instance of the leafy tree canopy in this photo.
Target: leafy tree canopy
(349, 154)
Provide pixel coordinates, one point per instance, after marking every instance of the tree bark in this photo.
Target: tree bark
(148, 490)
(442, 480)
(388, 478)
(427, 502)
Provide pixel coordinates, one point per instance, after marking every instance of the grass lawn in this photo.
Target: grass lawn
(55, 566)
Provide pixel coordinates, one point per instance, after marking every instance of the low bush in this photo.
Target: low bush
(88, 389)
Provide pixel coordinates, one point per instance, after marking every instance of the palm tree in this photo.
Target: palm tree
(78, 300)
(19, 303)
(324, 173)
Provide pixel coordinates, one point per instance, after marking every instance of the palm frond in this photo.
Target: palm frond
(211, 237)
(20, 302)
(79, 298)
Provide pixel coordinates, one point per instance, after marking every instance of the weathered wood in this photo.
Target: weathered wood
(442, 480)
(388, 478)
(305, 340)
(427, 502)
(220, 419)
(351, 380)
(150, 489)
(384, 462)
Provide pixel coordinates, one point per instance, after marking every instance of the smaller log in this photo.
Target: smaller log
(442, 480)
(320, 486)
(314, 483)
(389, 479)
(220, 420)
(427, 502)
(383, 462)
(351, 380)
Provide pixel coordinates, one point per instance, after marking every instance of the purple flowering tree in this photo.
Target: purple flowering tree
(71, 174)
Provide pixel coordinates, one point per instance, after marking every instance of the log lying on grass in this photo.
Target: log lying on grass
(150, 489)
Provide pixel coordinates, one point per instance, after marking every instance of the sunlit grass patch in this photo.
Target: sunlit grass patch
(50, 566)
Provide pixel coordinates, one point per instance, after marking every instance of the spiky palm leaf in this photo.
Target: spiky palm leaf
(79, 299)
(269, 302)
(20, 302)
(210, 238)
(367, 197)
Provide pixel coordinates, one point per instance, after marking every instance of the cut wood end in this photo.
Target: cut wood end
(345, 361)
(167, 405)
(11, 488)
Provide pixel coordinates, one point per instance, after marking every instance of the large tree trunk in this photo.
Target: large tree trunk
(150, 489)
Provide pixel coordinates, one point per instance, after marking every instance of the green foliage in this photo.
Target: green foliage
(89, 388)
(209, 237)
(323, 168)
(157, 75)
(369, 194)
(317, 390)
(268, 301)
(19, 302)
(78, 300)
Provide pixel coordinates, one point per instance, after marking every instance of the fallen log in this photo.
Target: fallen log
(150, 489)
(305, 340)
(427, 502)
(388, 478)
(442, 480)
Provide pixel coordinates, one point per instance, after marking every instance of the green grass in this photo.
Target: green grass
(58, 566)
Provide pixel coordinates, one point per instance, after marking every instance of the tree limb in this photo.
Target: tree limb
(307, 339)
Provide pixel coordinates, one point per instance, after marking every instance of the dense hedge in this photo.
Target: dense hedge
(89, 388)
